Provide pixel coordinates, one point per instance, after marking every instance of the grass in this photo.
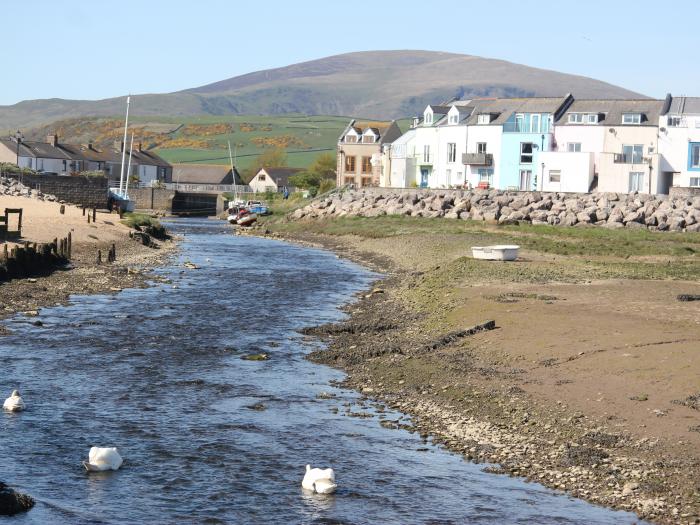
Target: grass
(140, 220)
(556, 240)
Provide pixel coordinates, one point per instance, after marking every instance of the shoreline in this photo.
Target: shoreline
(382, 352)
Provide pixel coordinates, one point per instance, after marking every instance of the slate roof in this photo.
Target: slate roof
(685, 106)
(610, 111)
(505, 107)
(37, 149)
(203, 174)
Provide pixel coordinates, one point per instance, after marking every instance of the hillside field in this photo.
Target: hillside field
(204, 139)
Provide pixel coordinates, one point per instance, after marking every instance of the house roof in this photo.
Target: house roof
(610, 111)
(280, 175)
(379, 128)
(685, 106)
(503, 108)
(149, 157)
(34, 149)
(203, 174)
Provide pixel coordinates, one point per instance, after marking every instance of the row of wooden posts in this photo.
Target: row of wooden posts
(31, 258)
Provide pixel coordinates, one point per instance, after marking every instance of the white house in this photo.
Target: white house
(679, 141)
(399, 162)
(46, 156)
(272, 179)
(426, 150)
(448, 169)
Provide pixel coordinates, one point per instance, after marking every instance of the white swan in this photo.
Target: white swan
(101, 458)
(14, 403)
(320, 481)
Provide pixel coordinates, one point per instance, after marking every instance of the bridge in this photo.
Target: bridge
(187, 199)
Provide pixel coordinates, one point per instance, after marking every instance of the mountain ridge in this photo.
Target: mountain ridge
(375, 84)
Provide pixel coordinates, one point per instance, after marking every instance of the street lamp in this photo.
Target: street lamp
(18, 137)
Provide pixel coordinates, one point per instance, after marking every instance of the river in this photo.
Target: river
(208, 437)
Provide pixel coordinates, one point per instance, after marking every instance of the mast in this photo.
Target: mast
(233, 172)
(126, 125)
(128, 170)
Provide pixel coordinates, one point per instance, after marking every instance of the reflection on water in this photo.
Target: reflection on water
(208, 437)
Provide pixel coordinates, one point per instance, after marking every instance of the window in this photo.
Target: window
(350, 164)
(526, 152)
(555, 176)
(631, 118)
(694, 161)
(636, 181)
(451, 152)
(481, 147)
(366, 181)
(350, 138)
(261, 176)
(583, 118)
(534, 123)
(368, 139)
(675, 122)
(349, 180)
(573, 147)
(366, 165)
(519, 122)
(483, 119)
(428, 117)
(632, 153)
(426, 153)
(695, 182)
(486, 175)
(448, 174)
(454, 119)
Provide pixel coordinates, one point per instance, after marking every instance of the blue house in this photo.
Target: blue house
(528, 130)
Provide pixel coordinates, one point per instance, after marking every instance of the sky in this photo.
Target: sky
(93, 49)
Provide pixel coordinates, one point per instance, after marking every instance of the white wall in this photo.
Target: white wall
(576, 171)
(614, 176)
(492, 136)
(592, 139)
(673, 148)
(425, 135)
(259, 186)
(449, 174)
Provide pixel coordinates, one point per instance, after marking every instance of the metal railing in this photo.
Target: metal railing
(477, 159)
(207, 188)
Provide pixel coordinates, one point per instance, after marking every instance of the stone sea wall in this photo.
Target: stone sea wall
(610, 210)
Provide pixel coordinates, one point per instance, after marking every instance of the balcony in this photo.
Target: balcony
(425, 160)
(624, 158)
(477, 159)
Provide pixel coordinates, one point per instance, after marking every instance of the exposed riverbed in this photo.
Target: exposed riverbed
(208, 437)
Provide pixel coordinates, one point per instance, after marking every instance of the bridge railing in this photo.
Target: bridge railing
(208, 188)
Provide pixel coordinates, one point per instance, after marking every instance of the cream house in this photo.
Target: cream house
(273, 179)
(679, 141)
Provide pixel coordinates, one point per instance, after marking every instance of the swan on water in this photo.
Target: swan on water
(103, 458)
(320, 481)
(14, 403)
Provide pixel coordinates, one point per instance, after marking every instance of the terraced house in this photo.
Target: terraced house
(679, 142)
(360, 149)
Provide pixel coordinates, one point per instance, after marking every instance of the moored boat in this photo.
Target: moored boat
(499, 252)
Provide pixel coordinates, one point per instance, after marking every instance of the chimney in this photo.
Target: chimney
(416, 120)
(52, 139)
(119, 145)
(138, 147)
(89, 146)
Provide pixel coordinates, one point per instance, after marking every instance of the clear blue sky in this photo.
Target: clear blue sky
(91, 49)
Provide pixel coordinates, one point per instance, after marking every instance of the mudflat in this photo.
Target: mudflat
(590, 381)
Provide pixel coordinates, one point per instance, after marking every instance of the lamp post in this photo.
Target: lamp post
(18, 138)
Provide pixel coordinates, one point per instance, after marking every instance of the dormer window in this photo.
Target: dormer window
(483, 119)
(583, 118)
(428, 117)
(454, 119)
(631, 118)
(368, 139)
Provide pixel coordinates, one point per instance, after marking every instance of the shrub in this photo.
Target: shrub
(326, 185)
(8, 167)
(92, 173)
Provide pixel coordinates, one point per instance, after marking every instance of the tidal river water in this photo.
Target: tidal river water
(208, 437)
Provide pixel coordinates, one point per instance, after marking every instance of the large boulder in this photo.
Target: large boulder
(12, 502)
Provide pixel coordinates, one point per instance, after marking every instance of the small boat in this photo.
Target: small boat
(257, 207)
(246, 219)
(499, 252)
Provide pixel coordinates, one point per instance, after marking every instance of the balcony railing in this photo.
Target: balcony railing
(624, 158)
(477, 159)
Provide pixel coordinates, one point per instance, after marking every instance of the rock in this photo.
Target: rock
(629, 488)
(256, 357)
(12, 502)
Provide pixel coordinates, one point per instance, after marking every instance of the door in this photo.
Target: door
(424, 177)
(525, 180)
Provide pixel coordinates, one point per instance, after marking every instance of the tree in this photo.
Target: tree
(305, 180)
(273, 158)
(324, 166)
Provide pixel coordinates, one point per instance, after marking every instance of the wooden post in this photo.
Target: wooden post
(62, 209)
(55, 245)
(99, 257)
(83, 210)
(94, 215)
(70, 245)
(4, 252)
(88, 218)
